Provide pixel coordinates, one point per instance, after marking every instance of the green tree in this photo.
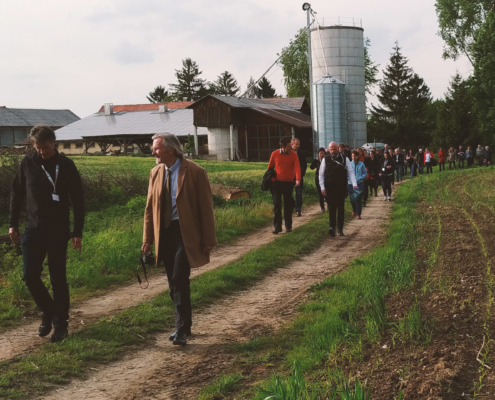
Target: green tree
(189, 85)
(401, 117)
(250, 89)
(159, 95)
(226, 85)
(264, 89)
(370, 68)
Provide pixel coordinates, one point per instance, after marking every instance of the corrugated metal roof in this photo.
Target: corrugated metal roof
(274, 104)
(173, 105)
(179, 122)
(23, 117)
(290, 117)
(296, 103)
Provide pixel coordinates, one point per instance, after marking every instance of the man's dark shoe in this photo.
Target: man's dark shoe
(174, 334)
(59, 334)
(341, 232)
(46, 325)
(288, 230)
(180, 339)
(298, 213)
(277, 231)
(331, 232)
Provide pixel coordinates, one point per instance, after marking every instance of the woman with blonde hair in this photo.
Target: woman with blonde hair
(451, 157)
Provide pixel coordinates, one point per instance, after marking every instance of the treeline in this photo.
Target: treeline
(190, 86)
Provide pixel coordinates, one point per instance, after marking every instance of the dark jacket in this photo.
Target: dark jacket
(488, 155)
(316, 165)
(388, 171)
(411, 160)
(400, 161)
(42, 211)
(303, 163)
(266, 184)
(420, 158)
(372, 166)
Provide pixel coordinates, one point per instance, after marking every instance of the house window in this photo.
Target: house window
(67, 145)
(79, 145)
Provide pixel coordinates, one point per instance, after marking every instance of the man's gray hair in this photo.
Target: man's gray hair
(170, 140)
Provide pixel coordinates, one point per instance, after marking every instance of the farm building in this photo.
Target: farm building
(15, 123)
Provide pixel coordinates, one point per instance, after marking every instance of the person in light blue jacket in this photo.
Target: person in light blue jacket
(360, 173)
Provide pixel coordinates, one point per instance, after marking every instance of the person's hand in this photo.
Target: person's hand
(324, 193)
(208, 249)
(380, 174)
(146, 248)
(298, 183)
(77, 243)
(14, 235)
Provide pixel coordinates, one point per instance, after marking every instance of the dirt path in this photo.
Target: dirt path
(25, 338)
(168, 372)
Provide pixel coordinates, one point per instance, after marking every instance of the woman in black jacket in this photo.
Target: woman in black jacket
(371, 164)
(386, 172)
(316, 165)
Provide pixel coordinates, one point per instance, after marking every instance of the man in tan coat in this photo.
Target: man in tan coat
(180, 221)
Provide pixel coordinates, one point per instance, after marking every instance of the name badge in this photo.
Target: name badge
(55, 197)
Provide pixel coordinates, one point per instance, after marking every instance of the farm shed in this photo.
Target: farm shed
(15, 123)
(251, 129)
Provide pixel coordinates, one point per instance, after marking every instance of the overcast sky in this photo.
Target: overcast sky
(78, 55)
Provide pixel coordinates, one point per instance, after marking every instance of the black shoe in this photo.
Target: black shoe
(46, 325)
(331, 232)
(59, 334)
(180, 339)
(298, 213)
(277, 231)
(341, 233)
(288, 230)
(174, 334)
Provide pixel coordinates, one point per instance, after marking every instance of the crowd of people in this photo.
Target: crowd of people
(357, 174)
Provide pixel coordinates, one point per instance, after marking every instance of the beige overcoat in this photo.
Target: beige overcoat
(195, 208)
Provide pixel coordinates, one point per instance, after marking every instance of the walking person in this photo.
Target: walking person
(411, 162)
(399, 164)
(360, 175)
(286, 165)
(371, 164)
(480, 155)
(461, 156)
(316, 165)
(429, 161)
(386, 174)
(488, 156)
(296, 144)
(335, 171)
(180, 221)
(451, 158)
(420, 159)
(469, 156)
(441, 159)
(406, 163)
(50, 182)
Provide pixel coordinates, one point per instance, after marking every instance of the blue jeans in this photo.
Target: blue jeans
(299, 190)
(412, 170)
(37, 244)
(358, 206)
(399, 171)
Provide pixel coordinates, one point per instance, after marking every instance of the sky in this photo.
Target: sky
(78, 55)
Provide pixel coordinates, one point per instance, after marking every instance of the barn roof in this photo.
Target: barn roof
(25, 117)
(172, 105)
(129, 123)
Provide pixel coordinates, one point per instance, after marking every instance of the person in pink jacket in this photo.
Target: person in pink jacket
(428, 161)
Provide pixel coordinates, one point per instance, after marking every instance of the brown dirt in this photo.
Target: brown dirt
(454, 308)
(167, 372)
(24, 338)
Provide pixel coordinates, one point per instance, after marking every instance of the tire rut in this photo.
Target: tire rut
(163, 371)
(24, 338)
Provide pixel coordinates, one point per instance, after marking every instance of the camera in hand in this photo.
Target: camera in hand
(148, 259)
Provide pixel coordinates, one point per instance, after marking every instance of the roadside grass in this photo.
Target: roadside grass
(220, 387)
(109, 338)
(113, 234)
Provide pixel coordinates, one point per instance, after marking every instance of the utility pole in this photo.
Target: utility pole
(307, 7)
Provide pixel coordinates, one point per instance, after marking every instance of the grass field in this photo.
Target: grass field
(116, 197)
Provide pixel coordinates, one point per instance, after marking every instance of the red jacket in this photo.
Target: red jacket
(286, 166)
(441, 156)
(431, 155)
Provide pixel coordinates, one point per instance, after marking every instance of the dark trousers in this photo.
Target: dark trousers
(387, 185)
(440, 165)
(37, 244)
(178, 271)
(373, 184)
(420, 168)
(480, 160)
(282, 189)
(299, 190)
(336, 204)
(450, 165)
(321, 198)
(459, 162)
(429, 168)
(365, 188)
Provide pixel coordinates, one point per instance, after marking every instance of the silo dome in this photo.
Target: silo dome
(328, 107)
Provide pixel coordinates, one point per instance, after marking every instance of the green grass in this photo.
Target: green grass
(220, 387)
(113, 229)
(109, 338)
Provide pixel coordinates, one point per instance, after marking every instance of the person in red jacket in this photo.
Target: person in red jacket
(441, 159)
(428, 161)
(286, 165)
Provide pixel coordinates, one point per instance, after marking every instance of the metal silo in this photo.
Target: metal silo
(339, 43)
(328, 108)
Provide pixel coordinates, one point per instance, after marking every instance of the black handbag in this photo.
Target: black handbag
(145, 259)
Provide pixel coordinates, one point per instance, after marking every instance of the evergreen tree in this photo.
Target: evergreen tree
(159, 95)
(189, 85)
(455, 119)
(370, 68)
(251, 89)
(226, 85)
(264, 89)
(404, 99)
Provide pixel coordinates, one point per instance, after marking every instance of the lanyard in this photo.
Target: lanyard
(50, 178)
